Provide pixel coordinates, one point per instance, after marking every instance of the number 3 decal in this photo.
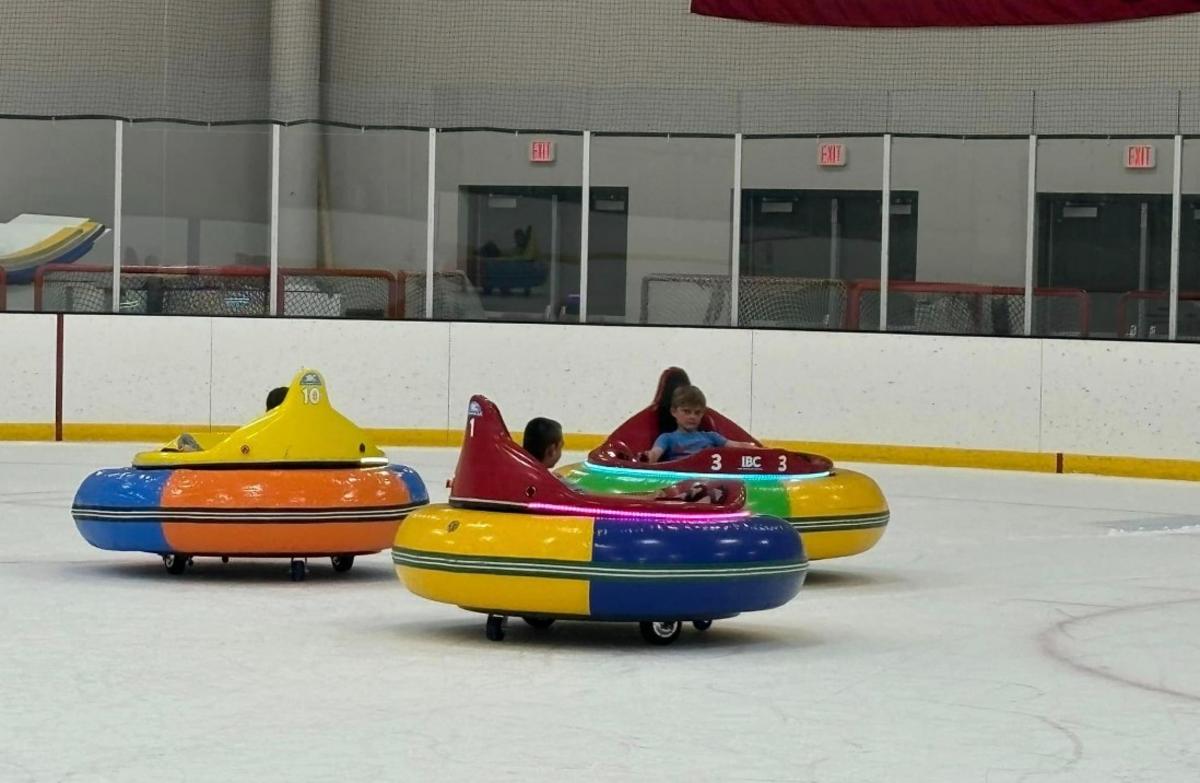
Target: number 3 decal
(716, 462)
(783, 463)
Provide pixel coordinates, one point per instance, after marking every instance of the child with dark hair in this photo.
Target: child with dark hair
(673, 378)
(276, 396)
(688, 407)
(544, 440)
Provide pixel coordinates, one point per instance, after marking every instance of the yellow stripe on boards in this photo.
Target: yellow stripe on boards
(1132, 467)
(936, 456)
(926, 455)
(18, 431)
(142, 433)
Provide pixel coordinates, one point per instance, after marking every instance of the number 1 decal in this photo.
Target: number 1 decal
(471, 427)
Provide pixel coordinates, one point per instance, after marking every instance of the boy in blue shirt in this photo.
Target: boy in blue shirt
(688, 407)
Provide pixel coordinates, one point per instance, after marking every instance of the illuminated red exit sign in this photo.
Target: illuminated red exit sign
(830, 155)
(1139, 156)
(541, 151)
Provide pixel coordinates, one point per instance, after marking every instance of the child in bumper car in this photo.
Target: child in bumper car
(688, 407)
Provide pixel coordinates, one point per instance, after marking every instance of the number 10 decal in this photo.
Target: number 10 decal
(311, 394)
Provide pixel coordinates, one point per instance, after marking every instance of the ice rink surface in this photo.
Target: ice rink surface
(1009, 627)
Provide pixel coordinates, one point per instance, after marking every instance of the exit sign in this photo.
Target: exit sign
(541, 151)
(831, 155)
(1139, 156)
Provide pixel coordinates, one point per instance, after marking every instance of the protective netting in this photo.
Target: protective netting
(454, 298)
(217, 291)
(685, 300)
(1145, 315)
(338, 293)
(784, 302)
(619, 65)
(940, 308)
(163, 291)
(807, 303)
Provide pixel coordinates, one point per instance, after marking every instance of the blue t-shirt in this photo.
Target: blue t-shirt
(684, 444)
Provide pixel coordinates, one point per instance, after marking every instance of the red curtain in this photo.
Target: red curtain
(940, 13)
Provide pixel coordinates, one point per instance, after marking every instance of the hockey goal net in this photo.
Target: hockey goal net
(454, 298)
(306, 293)
(703, 300)
(949, 308)
(1146, 315)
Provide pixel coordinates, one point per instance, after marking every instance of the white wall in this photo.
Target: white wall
(971, 207)
(136, 371)
(880, 388)
(1070, 396)
(378, 375)
(591, 378)
(27, 359)
(1098, 166)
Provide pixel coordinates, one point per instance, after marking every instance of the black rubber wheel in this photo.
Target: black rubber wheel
(342, 563)
(540, 623)
(224, 558)
(702, 625)
(176, 563)
(495, 627)
(298, 570)
(660, 633)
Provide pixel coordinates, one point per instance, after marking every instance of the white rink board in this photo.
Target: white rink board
(1112, 398)
(378, 374)
(591, 378)
(904, 390)
(27, 368)
(125, 370)
(1031, 395)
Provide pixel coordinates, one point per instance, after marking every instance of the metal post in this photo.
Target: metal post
(585, 212)
(430, 222)
(885, 232)
(1030, 231)
(554, 259)
(118, 208)
(835, 239)
(735, 255)
(1176, 230)
(1144, 247)
(274, 250)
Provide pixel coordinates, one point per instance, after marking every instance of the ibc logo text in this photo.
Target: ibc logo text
(751, 463)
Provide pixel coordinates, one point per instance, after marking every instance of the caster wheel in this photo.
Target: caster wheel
(342, 563)
(176, 564)
(661, 633)
(298, 570)
(541, 623)
(702, 625)
(495, 627)
(224, 558)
